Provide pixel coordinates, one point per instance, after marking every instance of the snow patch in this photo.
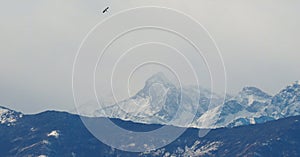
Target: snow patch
(45, 142)
(252, 121)
(205, 150)
(53, 133)
(209, 118)
(33, 129)
(250, 100)
(131, 145)
(8, 116)
(2, 111)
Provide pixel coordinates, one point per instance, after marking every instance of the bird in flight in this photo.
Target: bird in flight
(105, 10)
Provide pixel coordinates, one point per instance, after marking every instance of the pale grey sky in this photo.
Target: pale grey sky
(258, 39)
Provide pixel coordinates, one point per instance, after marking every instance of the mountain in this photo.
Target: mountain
(252, 106)
(287, 101)
(9, 117)
(244, 109)
(161, 102)
(53, 133)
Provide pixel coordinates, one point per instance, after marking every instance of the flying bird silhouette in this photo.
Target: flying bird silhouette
(105, 10)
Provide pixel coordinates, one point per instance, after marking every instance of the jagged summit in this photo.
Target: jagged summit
(292, 89)
(157, 81)
(296, 84)
(288, 99)
(158, 78)
(254, 91)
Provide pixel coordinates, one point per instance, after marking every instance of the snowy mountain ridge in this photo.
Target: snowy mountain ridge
(161, 102)
(259, 107)
(9, 117)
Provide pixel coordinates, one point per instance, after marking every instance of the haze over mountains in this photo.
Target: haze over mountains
(161, 102)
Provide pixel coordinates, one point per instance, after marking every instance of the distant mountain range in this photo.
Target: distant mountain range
(252, 123)
(161, 102)
(52, 134)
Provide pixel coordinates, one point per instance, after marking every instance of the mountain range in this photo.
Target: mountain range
(52, 133)
(161, 102)
(251, 123)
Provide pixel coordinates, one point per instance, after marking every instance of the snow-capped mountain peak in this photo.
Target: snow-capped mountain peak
(160, 102)
(157, 82)
(158, 78)
(247, 91)
(8, 116)
(249, 95)
(288, 100)
(290, 93)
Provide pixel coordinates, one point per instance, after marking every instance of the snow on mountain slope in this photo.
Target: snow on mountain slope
(54, 133)
(288, 100)
(8, 117)
(252, 106)
(243, 109)
(161, 102)
(195, 150)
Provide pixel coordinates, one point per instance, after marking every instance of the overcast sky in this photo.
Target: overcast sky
(258, 39)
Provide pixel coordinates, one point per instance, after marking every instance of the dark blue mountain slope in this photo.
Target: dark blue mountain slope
(54, 133)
